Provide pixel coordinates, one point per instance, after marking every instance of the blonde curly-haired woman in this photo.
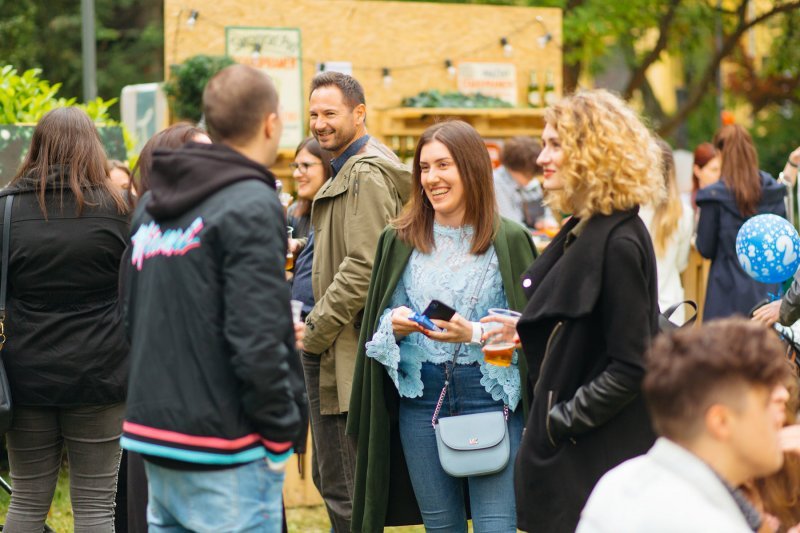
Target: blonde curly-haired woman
(592, 309)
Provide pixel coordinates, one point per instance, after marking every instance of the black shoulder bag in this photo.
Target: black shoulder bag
(5, 390)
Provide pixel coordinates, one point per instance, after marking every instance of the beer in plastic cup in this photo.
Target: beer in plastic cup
(499, 347)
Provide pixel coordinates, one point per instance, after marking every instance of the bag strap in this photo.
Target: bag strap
(668, 312)
(457, 351)
(4, 271)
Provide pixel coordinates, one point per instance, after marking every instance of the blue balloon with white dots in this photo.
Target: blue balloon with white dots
(768, 248)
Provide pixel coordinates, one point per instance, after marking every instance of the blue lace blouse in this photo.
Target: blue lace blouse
(449, 274)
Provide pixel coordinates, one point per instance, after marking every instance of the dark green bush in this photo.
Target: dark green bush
(187, 81)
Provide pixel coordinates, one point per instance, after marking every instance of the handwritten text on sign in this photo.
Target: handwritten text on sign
(490, 79)
(278, 52)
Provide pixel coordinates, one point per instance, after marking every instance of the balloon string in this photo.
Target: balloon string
(773, 297)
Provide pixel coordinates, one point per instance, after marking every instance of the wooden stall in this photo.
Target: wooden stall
(694, 280)
(419, 46)
(414, 41)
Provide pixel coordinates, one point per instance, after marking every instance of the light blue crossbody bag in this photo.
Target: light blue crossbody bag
(476, 444)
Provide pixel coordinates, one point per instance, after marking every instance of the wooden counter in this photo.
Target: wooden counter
(694, 280)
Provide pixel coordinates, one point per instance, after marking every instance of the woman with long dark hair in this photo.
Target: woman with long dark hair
(448, 244)
(743, 192)
(66, 355)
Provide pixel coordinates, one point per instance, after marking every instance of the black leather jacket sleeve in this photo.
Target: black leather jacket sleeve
(593, 404)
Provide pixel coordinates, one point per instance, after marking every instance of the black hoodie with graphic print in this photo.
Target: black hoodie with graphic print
(215, 379)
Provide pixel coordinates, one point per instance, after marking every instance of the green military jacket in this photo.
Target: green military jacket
(348, 215)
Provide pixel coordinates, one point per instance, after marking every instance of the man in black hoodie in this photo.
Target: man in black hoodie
(216, 398)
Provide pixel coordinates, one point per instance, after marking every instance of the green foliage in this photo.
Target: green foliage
(26, 98)
(47, 36)
(185, 87)
(703, 123)
(453, 99)
(775, 133)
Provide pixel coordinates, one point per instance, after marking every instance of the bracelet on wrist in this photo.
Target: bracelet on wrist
(477, 333)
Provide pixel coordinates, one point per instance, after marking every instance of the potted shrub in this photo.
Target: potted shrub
(187, 81)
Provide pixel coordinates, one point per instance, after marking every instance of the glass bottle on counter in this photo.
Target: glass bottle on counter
(549, 89)
(411, 146)
(534, 91)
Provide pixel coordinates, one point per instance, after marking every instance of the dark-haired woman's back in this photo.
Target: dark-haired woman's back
(65, 346)
(730, 290)
(66, 353)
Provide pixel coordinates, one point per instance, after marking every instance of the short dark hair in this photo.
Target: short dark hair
(691, 369)
(520, 154)
(352, 91)
(235, 102)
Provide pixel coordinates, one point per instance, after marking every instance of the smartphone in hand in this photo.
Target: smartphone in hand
(436, 310)
(439, 311)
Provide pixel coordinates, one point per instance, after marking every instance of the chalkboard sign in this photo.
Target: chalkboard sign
(16, 139)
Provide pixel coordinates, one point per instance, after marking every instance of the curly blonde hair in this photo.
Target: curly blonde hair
(611, 159)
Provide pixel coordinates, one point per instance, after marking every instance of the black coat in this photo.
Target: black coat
(66, 345)
(730, 290)
(591, 314)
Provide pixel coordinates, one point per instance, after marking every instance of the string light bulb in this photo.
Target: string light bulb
(387, 77)
(508, 50)
(192, 20)
(451, 69)
(542, 40)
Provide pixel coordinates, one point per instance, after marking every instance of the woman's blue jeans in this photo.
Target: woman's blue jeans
(441, 497)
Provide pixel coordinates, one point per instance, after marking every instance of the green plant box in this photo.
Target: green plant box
(15, 139)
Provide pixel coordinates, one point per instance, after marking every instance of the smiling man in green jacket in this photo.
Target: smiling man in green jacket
(369, 188)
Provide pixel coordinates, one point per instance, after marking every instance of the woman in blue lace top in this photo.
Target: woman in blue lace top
(449, 245)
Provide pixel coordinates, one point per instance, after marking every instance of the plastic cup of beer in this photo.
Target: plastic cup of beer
(499, 347)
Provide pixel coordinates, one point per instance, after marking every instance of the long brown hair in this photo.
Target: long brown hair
(669, 209)
(740, 167)
(66, 143)
(303, 205)
(415, 224)
(172, 137)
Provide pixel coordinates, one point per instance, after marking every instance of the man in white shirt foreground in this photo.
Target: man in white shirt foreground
(717, 398)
